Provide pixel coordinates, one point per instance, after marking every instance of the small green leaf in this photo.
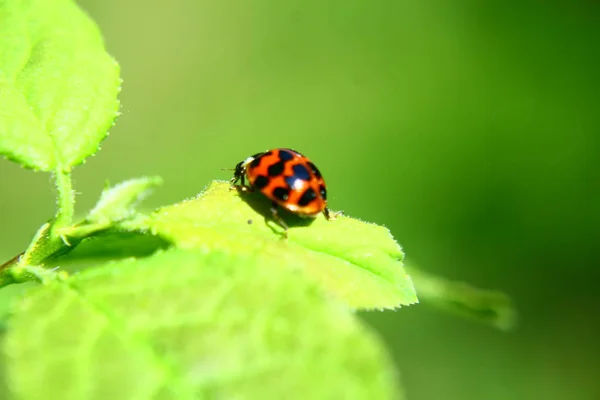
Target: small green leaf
(486, 306)
(118, 202)
(357, 261)
(190, 324)
(58, 85)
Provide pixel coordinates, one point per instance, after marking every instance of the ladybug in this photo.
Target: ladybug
(287, 178)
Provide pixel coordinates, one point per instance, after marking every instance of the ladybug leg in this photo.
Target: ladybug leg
(279, 220)
(233, 182)
(242, 186)
(239, 175)
(331, 215)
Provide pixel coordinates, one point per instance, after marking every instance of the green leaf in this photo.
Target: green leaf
(357, 261)
(486, 306)
(190, 324)
(58, 85)
(118, 202)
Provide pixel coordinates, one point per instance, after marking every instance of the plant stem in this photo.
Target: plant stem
(65, 200)
(47, 240)
(12, 261)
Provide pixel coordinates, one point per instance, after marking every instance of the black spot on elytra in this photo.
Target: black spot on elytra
(301, 172)
(258, 158)
(255, 163)
(323, 192)
(281, 193)
(285, 155)
(276, 169)
(314, 169)
(293, 152)
(307, 197)
(261, 181)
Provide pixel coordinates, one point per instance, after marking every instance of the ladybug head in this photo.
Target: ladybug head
(240, 170)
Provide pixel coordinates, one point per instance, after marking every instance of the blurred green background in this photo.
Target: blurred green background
(470, 129)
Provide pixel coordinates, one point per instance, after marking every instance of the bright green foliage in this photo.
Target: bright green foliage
(357, 261)
(209, 300)
(191, 324)
(58, 86)
(118, 202)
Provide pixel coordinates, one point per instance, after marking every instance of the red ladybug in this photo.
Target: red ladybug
(289, 179)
